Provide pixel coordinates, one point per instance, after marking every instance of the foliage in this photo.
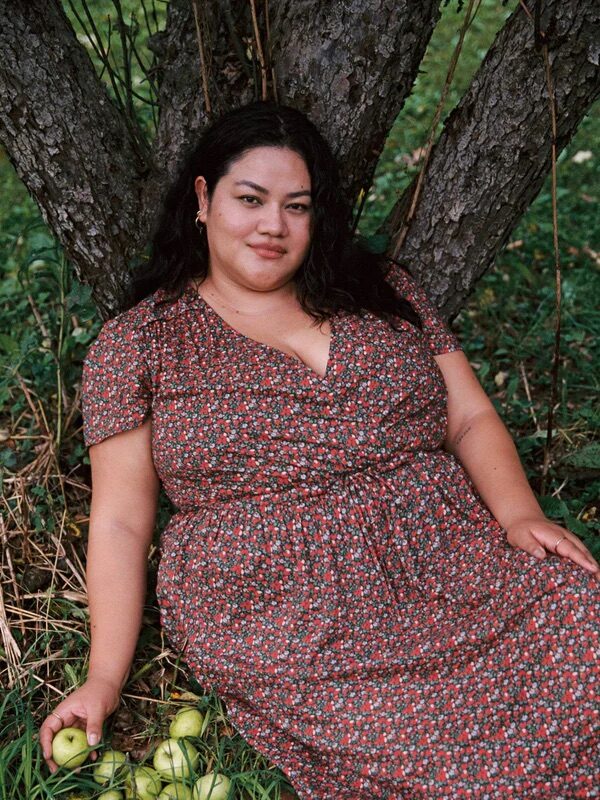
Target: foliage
(48, 321)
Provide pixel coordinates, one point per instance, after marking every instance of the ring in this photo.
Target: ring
(558, 541)
(58, 715)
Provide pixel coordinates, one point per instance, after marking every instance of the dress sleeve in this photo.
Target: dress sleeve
(441, 339)
(115, 387)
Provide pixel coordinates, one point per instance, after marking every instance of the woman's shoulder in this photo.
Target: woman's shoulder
(399, 276)
(145, 313)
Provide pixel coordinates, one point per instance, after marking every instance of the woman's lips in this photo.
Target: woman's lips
(267, 252)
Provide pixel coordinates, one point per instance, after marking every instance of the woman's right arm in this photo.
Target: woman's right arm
(125, 490)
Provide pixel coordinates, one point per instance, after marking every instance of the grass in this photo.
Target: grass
(48, 322)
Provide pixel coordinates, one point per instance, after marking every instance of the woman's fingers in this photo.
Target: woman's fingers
(562, 542)
(538, 536)
(51, 726)
(567, 548)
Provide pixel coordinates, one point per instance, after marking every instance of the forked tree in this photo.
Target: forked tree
(97, 174)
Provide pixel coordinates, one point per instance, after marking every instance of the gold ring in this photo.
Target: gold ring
(558, 541)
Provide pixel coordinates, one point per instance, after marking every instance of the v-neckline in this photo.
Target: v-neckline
(325, 378)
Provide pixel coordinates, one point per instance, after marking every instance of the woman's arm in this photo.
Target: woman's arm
(479, 439)
(122, 515)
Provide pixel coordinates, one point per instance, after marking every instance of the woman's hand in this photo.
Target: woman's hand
(538, 535)
(85, 708)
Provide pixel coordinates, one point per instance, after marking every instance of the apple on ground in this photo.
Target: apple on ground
(176, 791)
(111, 794)
(70, 747)
(187, 722)
(143, 783)
(109, 766)
(212, 786)
(175, 759)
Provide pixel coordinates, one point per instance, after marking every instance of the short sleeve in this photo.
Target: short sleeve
(441, 339)
(115, 385)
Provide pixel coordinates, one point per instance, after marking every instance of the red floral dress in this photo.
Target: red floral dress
(331, 571)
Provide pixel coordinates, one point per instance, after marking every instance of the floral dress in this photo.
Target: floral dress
(331, 571)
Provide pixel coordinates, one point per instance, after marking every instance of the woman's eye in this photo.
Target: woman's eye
(252, 200)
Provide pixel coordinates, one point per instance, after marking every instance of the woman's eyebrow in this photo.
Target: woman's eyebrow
(266, 191)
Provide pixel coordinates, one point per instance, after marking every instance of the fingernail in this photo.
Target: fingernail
(93, 739)
(591, 566)
(539, 552)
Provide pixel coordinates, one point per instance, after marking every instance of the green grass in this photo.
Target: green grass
(47, 323)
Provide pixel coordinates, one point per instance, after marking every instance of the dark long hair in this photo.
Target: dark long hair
(338, 272)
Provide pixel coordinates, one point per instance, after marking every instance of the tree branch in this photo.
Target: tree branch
(69, 144)
(494, 152)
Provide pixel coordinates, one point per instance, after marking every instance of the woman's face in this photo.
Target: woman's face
(259, 219)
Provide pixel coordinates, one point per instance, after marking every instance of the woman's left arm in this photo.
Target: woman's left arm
(479, 439)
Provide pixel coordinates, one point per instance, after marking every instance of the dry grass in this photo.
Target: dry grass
(44, 620)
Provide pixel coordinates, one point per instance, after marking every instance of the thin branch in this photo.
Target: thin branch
(126, 56)
(557, 272)
(203, 70)
(398, 241)
(270, 52)
(96, 42)
(259, 51)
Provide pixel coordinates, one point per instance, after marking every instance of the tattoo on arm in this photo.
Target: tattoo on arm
(461, 436)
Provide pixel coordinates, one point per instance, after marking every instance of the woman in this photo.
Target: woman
(357, 564)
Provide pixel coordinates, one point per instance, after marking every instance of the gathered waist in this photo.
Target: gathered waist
(304, 493)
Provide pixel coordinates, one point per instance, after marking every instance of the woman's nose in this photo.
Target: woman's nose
(272, 220)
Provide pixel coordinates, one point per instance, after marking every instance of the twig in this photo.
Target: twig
(529, 397)
(259, 51)
(557, 272)
(401, 235)
(203, 70)
(126, 56)
(270, 52)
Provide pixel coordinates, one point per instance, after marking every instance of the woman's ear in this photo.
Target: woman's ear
(202, 195)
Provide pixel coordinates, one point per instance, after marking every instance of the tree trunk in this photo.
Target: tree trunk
(69, 145)
(495, 150)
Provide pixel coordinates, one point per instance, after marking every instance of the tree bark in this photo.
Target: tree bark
(69, 145)
(494, 153)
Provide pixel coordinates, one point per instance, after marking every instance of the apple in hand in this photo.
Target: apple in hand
(143, 784)
(175, 791)
(187, 722)
(171, 762)
(109, 766)
(70, 747)
(212, 787)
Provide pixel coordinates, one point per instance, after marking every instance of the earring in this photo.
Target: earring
(199, 224)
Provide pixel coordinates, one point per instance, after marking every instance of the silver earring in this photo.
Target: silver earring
(199, 224)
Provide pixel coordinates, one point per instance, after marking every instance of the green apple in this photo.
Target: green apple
(70, 747)
(143, 783)
(175, 791)
(212, 786)
(175, 759)
(187, 722)
(109, 766)
(111, 794)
